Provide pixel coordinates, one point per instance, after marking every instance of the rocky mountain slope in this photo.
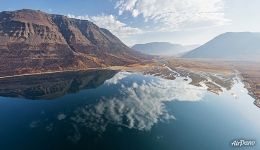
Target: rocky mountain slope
(33, 41)
(163, 48)
(230, 46)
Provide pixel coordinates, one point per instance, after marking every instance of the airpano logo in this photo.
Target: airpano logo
(243, 143)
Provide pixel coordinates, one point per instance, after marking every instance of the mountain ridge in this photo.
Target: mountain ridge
(230, 46)
(34, 41)
(163, 48)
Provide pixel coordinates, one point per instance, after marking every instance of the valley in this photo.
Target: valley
(216, 74)
(129, 75)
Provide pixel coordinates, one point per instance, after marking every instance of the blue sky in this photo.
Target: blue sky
(141, 21)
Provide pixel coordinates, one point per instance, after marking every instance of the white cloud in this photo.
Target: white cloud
(111, 23)
(176, 14)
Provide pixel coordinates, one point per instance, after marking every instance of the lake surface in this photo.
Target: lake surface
(105, 109)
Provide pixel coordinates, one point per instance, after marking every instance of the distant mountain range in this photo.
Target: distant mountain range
(230, 46)
(163, 48)
(34, 41)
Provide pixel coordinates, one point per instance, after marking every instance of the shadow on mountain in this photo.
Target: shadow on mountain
(50, 86)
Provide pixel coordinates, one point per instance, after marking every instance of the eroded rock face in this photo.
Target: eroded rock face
(34, 41)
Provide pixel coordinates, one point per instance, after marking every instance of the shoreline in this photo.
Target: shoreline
(51, 72)
(134, 67)
(198, 67)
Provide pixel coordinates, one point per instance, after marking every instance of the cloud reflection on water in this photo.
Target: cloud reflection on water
(136, 104)
(139, 106)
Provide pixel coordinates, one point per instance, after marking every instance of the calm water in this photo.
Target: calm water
(120, 110)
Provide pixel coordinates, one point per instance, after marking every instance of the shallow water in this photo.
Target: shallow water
(121, 110)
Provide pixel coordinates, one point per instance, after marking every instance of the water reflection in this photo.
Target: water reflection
(50, 86)
(138, 102)
(110, 106)
(139, 105)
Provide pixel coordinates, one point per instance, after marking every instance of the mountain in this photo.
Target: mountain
(33, 41)
(231, 45)
(163, 48)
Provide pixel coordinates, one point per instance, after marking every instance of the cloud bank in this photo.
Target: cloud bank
(176, 14)
(111, 23)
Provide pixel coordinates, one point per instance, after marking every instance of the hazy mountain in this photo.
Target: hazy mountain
(163, 48)
(34, 41)
(237, 45)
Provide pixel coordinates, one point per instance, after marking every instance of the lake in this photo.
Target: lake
(107, 109)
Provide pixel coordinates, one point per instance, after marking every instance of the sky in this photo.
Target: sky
(184, 22)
